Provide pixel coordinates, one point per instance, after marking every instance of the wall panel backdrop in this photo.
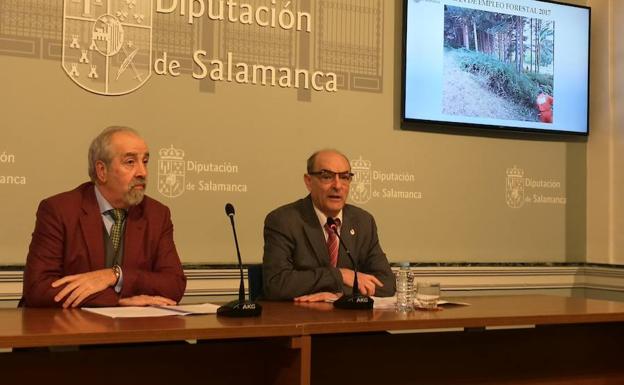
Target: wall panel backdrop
(437, 197)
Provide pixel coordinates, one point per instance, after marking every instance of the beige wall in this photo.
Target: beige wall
(599, 161)
(461, 214)
(617, 65)
(605, 183)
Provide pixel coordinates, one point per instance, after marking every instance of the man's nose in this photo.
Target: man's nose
(337, 183)
(141, 170)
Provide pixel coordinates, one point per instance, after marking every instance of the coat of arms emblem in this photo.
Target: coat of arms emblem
(171, 172)
(107, 44)
(361, 186)
(514, 191)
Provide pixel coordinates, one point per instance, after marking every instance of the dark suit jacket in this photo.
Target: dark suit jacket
(296, 260)
(68, 239)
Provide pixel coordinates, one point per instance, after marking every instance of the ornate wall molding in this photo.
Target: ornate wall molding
(220, 282)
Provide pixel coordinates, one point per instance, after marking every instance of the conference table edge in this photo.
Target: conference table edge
(312, 328)
(147, 336)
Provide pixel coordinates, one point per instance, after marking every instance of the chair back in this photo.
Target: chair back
(254, 277)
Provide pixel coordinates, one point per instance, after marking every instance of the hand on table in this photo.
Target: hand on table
(146, 300)
(79, 286)
(367, 283)
(317, 297)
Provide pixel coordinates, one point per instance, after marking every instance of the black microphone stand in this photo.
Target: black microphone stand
(240, 307)
(356, 300)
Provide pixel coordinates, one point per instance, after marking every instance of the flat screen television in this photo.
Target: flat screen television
(517, 65)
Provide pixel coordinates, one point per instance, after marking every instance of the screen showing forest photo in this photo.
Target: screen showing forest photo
(521, 65)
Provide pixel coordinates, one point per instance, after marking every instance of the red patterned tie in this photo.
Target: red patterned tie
(332, 243)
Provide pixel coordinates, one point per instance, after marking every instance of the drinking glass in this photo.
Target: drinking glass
(427, 295)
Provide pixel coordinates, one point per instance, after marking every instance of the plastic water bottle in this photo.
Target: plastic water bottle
(404, 288)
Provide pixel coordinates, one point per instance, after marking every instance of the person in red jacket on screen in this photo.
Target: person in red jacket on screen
(545, 107)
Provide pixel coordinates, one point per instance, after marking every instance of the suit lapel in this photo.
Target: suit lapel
(314, 233)
(92, 229)
(135, 231)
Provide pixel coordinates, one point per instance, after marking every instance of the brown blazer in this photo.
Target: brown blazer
(68, 239)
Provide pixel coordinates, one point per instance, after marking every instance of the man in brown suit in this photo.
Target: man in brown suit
(105, 243)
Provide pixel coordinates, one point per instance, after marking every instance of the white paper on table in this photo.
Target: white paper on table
(384, 302)
(202, 308)
(153, 311)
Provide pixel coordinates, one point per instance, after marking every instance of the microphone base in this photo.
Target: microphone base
(354, 301)
(240, 309)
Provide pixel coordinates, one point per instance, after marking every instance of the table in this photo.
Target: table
(530, 339)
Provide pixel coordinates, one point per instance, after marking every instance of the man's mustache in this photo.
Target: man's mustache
(138, 181)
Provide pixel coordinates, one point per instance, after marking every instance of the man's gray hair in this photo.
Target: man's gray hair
(100, 148)
(312, 158)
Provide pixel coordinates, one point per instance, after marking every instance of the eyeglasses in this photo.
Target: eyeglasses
(327, 176)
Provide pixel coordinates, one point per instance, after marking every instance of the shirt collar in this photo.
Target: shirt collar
(323, 218)
(102, 202)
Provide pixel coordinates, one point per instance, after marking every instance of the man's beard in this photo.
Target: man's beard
(135, 196)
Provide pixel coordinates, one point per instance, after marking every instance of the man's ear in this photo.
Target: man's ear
(101, 171)
(307, 179)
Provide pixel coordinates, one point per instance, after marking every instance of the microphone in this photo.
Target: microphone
(240, 307)
(355, 300)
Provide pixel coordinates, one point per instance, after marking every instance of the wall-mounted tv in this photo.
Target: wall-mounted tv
(518, 65)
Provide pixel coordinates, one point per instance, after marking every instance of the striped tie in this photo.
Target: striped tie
(115, 233)
(332, 243)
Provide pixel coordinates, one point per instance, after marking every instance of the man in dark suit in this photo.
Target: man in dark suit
(300, 260)
(105, 243)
